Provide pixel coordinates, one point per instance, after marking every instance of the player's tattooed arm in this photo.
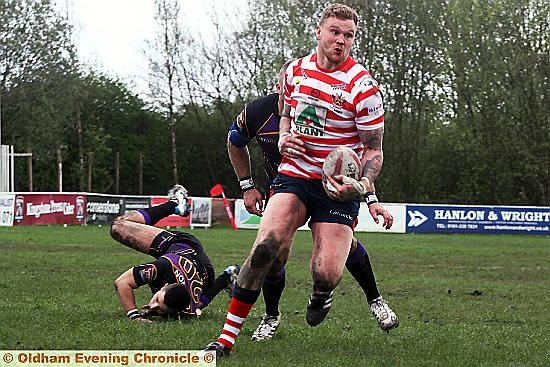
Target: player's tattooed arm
(373, 155)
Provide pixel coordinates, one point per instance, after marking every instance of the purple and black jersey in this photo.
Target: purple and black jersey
(180, 259)
(260, 119)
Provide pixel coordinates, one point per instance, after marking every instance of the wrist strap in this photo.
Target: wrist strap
(133, 314)
(371, 198)
(246, 183)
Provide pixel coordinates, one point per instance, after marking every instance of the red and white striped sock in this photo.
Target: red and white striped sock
(238, 311)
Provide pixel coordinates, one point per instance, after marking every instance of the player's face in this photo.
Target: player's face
(335, 38)
(156, 305)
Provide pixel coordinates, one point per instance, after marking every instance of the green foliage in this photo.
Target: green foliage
(500, 69)
(463, 300)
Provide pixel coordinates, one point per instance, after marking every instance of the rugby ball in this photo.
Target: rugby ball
(341, 161)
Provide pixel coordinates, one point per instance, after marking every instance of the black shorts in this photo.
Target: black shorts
(320, 208)
(166, 242)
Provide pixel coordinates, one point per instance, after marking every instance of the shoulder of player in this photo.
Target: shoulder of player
(363, 80)
(261, 108)
(306, 61)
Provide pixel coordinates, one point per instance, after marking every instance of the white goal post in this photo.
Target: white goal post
(6, 168)
(7, 164)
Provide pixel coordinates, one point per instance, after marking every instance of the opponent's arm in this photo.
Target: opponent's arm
(240, 160)
(125, 285)
(289, 145)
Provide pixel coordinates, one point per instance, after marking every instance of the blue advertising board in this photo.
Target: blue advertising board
(477, 219)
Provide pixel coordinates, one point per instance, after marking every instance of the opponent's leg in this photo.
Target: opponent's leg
(133, 234)
(359, 266)
(135, 229)
(225, 280)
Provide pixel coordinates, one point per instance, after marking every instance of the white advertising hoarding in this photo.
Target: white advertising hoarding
(6, 209)
(201, 213)
(246, 220)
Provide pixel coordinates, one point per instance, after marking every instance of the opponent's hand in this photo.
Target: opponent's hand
(376, 210)
(291, 146)
(253, 202)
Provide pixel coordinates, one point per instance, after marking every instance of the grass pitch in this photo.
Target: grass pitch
(463, 300)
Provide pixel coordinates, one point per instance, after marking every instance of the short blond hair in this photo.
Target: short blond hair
(339, 11)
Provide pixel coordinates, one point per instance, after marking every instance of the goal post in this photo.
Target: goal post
(7, 168)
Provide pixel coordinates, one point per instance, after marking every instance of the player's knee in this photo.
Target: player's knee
(325, 278)
(116, 227)
(265, 252)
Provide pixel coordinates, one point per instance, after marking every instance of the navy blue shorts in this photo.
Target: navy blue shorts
(320, 208)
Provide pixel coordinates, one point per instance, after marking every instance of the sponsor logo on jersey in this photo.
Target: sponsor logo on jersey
(375, 108)
(368, 83)
(338, 99)
(309, 123)
(148, 274)
(341, 86)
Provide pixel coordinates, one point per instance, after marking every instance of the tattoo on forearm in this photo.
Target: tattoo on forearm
(372, 167)
(373, 139)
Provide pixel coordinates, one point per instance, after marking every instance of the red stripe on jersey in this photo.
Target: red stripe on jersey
(363, 113)
(366, 94)
(311, 176)
(344, 67)
(333, 116)
(315, 93)
(297, 167)
(376, 121)
(331, 129)
(335, 141)
(325, 78)
(311, 161)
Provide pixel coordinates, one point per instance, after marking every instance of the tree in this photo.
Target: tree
(37, 59)
(501, 75)
(165, 72)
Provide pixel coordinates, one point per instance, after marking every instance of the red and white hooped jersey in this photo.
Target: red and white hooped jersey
(327, 110)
